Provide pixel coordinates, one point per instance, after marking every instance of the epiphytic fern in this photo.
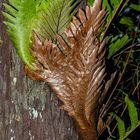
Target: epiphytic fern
(78, 74)
(22, 17)
(133, 116)
(53, 17)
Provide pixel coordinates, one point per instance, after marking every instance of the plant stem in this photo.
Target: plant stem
(89, 134)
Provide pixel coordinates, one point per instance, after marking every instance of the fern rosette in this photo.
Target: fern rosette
(77, 72)
(65, 51)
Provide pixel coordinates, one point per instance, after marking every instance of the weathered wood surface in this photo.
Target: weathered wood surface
(28, 109)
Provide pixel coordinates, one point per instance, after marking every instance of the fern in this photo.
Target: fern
(128, 22)
(113, 8)
(81, 71)
(135, 6)
(133, 115)
(116, 44)
(22, 16)
(132, 110)
(53, 18)
(121, 126)
(90, 2)
(77, 75)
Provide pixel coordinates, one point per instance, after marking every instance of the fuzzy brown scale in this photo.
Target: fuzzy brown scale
(77, 75)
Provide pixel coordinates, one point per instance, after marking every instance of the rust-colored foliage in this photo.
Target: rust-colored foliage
(77, 72)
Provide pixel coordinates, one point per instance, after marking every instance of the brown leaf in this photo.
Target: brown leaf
(77, 72)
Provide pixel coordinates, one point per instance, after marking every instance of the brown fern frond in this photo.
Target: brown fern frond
(77, 72)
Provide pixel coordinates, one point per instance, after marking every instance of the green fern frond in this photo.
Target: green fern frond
(19, 20)
(47, 18)
(120, 125)
(133, 115)
(135, 6)
(90, 2)
(132, 110)
(113, 9)
(116, 44)
(53, 18)
(128, 22)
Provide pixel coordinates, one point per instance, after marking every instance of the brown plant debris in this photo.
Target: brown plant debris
(77, 72)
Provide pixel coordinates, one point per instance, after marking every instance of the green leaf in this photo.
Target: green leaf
(133, 115)
(90, 2)
(47, 18)
(113, 9)
(117, 44)
(19, 19)
(135, 7)
(132, 112)
(121, 126)
(131, 130)
(128, 21)
(53, 18)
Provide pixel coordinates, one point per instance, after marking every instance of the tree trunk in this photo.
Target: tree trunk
(28, 109)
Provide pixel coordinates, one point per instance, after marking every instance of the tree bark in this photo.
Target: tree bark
(28, 109)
